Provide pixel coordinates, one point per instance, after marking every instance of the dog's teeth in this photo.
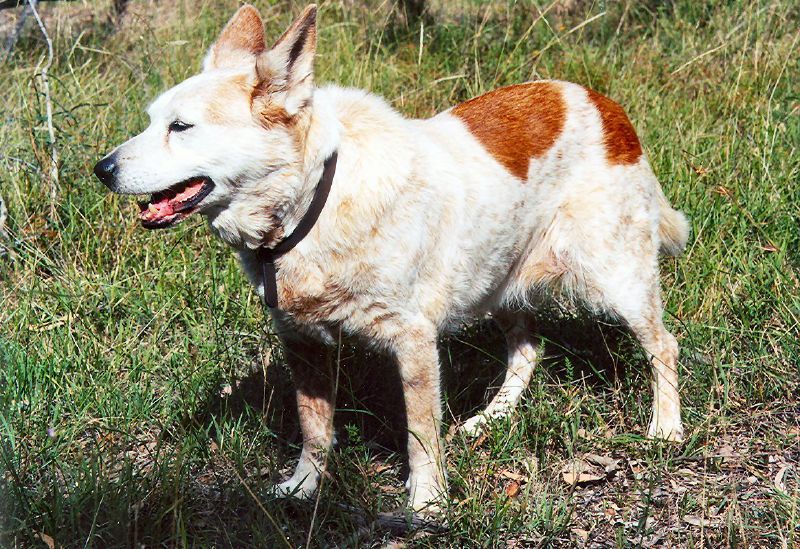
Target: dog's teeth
(152, 209)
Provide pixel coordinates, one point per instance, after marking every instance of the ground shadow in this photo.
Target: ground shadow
(369, 398)
(575, 347)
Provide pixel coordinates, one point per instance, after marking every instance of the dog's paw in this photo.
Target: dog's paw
(474, 426)
(670, 432)
(425, 497)
(302, 488)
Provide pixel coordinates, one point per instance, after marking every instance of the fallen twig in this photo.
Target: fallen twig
(3, 218)
(7, 4)
(49, 107)
(14, 36)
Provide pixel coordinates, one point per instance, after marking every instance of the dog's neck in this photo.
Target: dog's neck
(319, 139)
(279, 201)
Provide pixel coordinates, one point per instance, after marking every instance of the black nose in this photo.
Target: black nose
(106, 171)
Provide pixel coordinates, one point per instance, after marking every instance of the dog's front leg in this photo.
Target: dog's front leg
(310, 363)
(418, 360)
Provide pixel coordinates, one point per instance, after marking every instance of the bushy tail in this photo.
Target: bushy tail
(673, 228)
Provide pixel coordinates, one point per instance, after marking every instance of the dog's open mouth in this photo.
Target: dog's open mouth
(166, 208)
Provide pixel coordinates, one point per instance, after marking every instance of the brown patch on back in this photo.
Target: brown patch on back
(619, 136)
(516, 123)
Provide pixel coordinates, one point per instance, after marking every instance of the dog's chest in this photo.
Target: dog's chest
(312, 297)
(308, 295)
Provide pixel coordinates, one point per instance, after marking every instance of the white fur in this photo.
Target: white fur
(423, 229)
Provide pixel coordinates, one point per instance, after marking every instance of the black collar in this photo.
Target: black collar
(267, 256)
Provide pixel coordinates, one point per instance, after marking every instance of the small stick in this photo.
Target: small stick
(9, 4)
(11, 41)
(3, 218)
(49, 106)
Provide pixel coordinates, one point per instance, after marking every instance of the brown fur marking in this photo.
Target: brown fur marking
(619, 136)
(302, 33)
(244, 31)
(218, 106)
(313, 308)
(516, 123)
(270, 115)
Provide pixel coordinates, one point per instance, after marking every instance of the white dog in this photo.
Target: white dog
(527, 192)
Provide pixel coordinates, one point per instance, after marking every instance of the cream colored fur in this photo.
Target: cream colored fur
(422, 229)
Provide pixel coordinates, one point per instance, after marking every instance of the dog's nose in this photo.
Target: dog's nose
(106, 170)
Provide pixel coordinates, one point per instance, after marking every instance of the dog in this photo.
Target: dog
(350, 219)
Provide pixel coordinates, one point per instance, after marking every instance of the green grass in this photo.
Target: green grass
(116, 343)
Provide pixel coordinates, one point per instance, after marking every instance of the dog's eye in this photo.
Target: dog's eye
(178, 126)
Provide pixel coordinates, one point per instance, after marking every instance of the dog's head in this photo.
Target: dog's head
(214, 138)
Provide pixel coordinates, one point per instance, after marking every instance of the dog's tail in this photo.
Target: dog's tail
(673, 228)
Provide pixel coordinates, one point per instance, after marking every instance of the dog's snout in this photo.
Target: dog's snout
(106, 170)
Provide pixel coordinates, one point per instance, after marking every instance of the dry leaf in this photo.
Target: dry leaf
(388, 489)
(698, 521)
(512, 488)
(726, 451)
(724, 191)
(579, 472)
(376, 468)
(778, 481)
(48, 540)
(510, 475)
(677, 488)
(581, 534)
(769, 247)
(477, 443)
(610, 465)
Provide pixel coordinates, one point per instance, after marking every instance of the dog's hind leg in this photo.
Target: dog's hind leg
(662, 349)
(523, 355)
(631, 291)
(310, 363)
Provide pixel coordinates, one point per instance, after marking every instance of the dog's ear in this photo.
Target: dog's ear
(288, 68)
(240, 42)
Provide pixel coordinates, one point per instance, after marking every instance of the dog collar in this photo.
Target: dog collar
(267, 256)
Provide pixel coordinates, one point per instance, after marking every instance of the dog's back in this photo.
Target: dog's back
(540, 186)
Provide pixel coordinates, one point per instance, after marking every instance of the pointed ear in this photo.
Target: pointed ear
(240, 42)
(288, 68)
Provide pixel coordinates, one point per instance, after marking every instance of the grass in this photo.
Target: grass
(144, 401)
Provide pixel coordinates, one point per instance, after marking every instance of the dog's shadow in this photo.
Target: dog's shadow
(370, 399)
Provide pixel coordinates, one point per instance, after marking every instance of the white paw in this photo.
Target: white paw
(425, 497)
(298, 486)
(664, 430)
(473, 426)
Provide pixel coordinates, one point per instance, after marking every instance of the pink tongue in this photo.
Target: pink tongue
(166, 205)
(189, 191)
(163, 207)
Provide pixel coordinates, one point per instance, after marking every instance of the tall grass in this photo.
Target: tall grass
(135, 405)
